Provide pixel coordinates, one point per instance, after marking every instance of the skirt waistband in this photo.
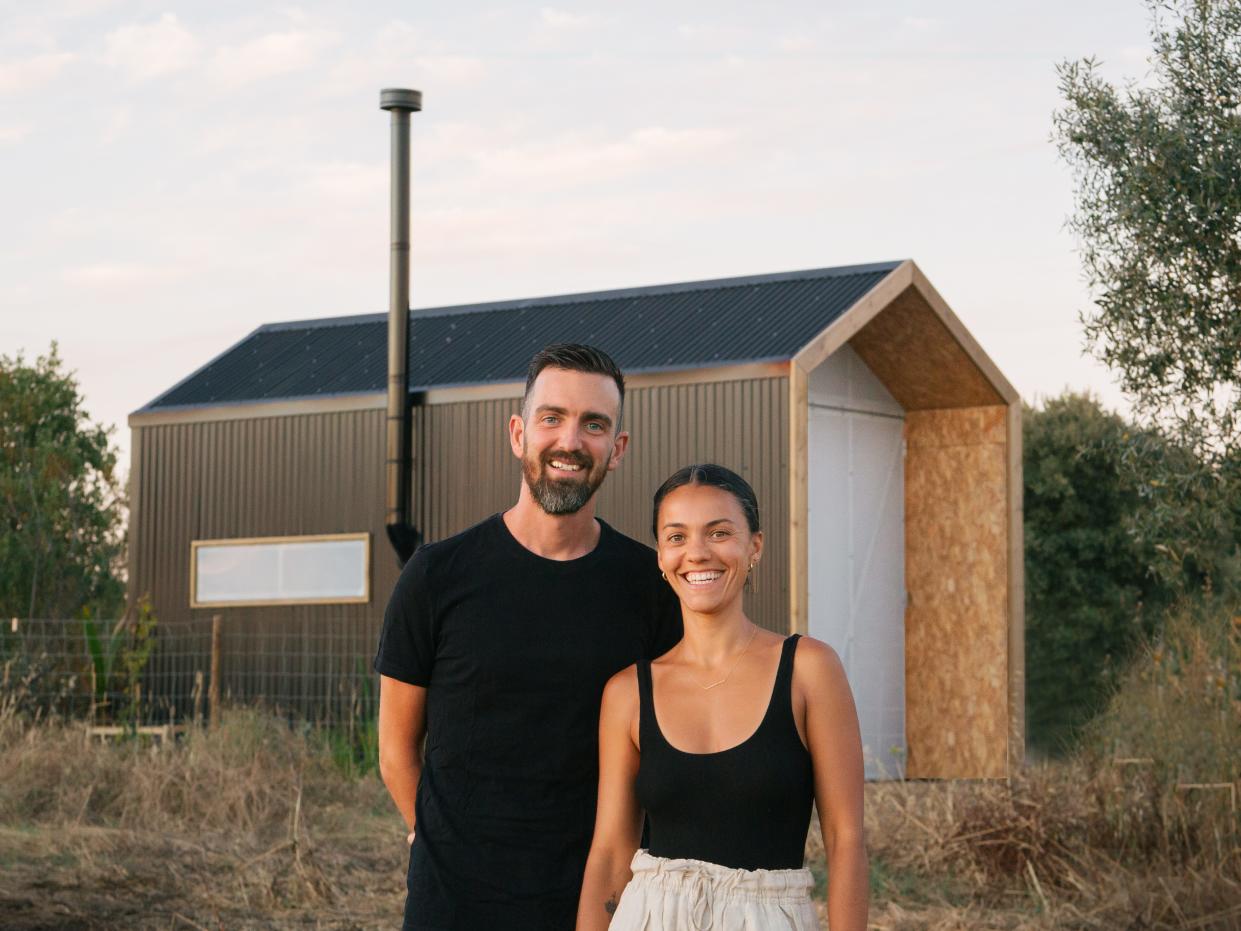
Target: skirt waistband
(723, 881)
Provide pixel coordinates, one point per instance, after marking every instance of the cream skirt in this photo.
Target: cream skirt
(690, 895)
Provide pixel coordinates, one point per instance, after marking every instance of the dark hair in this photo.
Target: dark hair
(714, 476)
(575, 357)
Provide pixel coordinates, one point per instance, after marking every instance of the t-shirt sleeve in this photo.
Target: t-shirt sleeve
(407, 643)
(665, 630)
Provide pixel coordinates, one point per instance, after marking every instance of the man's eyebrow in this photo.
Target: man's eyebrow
(595, 415)
(589, 415)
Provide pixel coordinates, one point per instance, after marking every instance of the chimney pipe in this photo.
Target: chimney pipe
(405, 538)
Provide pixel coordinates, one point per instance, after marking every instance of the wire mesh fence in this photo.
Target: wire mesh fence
(125, 673)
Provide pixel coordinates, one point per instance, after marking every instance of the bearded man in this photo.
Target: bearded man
(496, 646)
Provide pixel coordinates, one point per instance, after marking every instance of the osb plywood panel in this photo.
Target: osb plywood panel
(956, 622)
(918, 360)
(964, 427)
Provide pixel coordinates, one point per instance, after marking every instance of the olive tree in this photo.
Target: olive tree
(1157, 175)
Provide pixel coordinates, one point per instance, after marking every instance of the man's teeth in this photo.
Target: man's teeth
(702, 578)
(565, 466)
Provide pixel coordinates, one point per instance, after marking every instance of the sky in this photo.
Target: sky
(175, 175)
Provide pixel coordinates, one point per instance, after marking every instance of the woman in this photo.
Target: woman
(724, 742)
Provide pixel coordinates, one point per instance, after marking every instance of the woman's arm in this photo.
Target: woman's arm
(618, 819)
(835, 743)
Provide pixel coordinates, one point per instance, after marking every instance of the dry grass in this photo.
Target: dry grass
(250, 826)
(1140, 831)
(258, 826)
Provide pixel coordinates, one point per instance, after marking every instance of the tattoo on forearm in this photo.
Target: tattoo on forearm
(610, 905)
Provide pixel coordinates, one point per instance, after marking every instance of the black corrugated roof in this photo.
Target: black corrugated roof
(677, 326)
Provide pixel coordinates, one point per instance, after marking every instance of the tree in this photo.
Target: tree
(1089, 596)
(61, 506)
(1157, 173)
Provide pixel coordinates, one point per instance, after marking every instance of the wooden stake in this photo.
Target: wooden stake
(213, 695)
(198, 698)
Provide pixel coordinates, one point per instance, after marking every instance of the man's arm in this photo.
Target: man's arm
(402, 725)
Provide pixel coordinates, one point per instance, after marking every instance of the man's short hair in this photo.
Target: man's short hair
(576, 357)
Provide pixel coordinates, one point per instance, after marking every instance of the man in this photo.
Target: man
(496, 645)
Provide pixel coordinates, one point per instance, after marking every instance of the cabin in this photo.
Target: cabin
(883, 444)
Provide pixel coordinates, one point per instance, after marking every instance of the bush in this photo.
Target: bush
(1089, 596)
(1178, 704)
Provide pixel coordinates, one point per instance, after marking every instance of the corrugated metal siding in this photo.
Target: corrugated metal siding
(313, 473)
(739, 424)
(323, 473)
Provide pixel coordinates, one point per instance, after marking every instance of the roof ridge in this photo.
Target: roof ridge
(679, 287)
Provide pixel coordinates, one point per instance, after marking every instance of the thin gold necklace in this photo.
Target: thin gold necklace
(705, 688)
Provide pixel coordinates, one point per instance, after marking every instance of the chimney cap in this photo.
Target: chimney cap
(400, 98)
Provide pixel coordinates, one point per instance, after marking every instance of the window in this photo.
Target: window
(327, 569)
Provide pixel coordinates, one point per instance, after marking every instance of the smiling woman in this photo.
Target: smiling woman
(724, 743)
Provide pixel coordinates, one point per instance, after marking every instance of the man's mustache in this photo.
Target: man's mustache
(577, 459)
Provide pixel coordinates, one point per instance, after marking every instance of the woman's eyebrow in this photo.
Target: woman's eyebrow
(710, 523)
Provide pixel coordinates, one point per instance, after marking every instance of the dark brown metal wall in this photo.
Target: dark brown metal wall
(305, 474)
(312, 473)
(739, 424)
(323, 473)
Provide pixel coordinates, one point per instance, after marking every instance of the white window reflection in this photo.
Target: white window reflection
(281, 570)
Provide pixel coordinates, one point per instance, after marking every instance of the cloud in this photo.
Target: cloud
(148, 50)
(28, 73)
(713, 33)
(267, 56)
(566, 160)
(918, 23)
(11, 135)
(455, 68)
(401, 56)
(118, 121)
(797, 44)
(552, 18)
(118, 275)
(352, 182)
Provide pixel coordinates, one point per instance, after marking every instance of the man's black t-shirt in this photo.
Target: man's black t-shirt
(514, 650)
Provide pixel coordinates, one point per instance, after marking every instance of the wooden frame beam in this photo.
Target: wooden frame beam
(799, 512)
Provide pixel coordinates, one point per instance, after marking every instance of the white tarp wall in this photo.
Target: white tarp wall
(856, 535)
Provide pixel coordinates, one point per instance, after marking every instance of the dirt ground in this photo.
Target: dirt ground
(95, 878)
(257, 826)
(80, 877)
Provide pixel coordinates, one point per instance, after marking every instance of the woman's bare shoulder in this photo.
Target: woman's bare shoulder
(622, 688)
(815, 663)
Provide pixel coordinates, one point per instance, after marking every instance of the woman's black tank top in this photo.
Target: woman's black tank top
(747, 807)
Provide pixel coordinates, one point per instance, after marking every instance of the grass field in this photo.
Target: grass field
(259, 826)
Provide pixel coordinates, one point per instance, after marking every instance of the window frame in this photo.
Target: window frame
(364, 598)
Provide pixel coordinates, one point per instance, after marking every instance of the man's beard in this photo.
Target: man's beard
(566, 495)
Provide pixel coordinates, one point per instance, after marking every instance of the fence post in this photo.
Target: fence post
(213, 695)
(197, 696)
